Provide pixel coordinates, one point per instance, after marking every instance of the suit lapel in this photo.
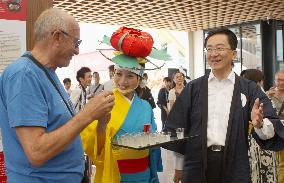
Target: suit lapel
(204, 117)
(234, 102)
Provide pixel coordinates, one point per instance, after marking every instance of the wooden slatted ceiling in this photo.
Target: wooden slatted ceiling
(182, 15)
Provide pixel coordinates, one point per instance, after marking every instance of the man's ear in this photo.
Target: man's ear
(235, 54)
(56, 36)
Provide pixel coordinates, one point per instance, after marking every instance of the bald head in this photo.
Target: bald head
(279, 80)
(50, 20)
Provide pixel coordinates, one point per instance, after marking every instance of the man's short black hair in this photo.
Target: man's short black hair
(111, 68)
(232, 38)
(167, 79)
(66, 80)
(81, 73)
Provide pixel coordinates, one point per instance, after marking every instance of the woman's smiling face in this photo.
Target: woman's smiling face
(125, 81)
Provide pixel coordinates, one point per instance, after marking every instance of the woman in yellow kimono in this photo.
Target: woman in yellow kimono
(129, 114)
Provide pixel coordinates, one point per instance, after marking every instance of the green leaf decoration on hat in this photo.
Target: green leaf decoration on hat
(125, 61)
(106, 40)
(160, 54)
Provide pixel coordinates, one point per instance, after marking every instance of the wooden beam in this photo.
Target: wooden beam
(34, 9)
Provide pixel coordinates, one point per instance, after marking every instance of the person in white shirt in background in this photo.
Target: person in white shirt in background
(78, 95)
(79, 99)
(276, 95)
(96, 87)
(109, 85)
(178, 85)
(67, 85)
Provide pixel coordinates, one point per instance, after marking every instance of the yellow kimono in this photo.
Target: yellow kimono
(107, 170)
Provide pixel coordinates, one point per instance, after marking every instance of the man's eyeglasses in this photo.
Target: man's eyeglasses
(76, 40)
(279, 80)
(218, 49)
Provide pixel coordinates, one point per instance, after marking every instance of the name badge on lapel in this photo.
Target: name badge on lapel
(244, 99)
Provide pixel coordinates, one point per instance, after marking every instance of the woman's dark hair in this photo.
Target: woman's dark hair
(81, 73)
(243, 73)
(232, 38)
(253, 75)
(173, 76)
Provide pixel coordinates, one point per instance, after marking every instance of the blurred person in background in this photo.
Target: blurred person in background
(276, 95)
(67, 85)
(178, 81)
(263, 163)
(96, 87)
(109, 85)
(79, 95)
(163, 99)
(177, 87)
(144, 92)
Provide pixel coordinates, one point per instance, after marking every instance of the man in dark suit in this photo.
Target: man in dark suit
(215, 110)
(163, 99)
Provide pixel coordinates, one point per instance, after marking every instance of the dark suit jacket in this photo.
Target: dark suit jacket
(162, 102)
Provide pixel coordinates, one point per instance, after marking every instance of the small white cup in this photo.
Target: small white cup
(180, 133)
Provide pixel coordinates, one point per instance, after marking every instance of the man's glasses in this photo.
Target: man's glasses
(279, 80)
(76, 40)
(217, 50)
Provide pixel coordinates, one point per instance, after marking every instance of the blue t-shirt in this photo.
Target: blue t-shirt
(27, 98)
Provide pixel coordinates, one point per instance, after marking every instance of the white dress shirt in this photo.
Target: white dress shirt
(94, 89)
(78, 98)
(220, 93)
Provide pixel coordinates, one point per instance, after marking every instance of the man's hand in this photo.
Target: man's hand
(271, 92)
(99, 106)
(178, 176)
(90, 96)
(257, 114)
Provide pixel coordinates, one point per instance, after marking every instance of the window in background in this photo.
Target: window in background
(279, 46)
(251, 47)
(238, 61)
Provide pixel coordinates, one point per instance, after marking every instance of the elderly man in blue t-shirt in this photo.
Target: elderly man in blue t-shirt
(39, 127)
